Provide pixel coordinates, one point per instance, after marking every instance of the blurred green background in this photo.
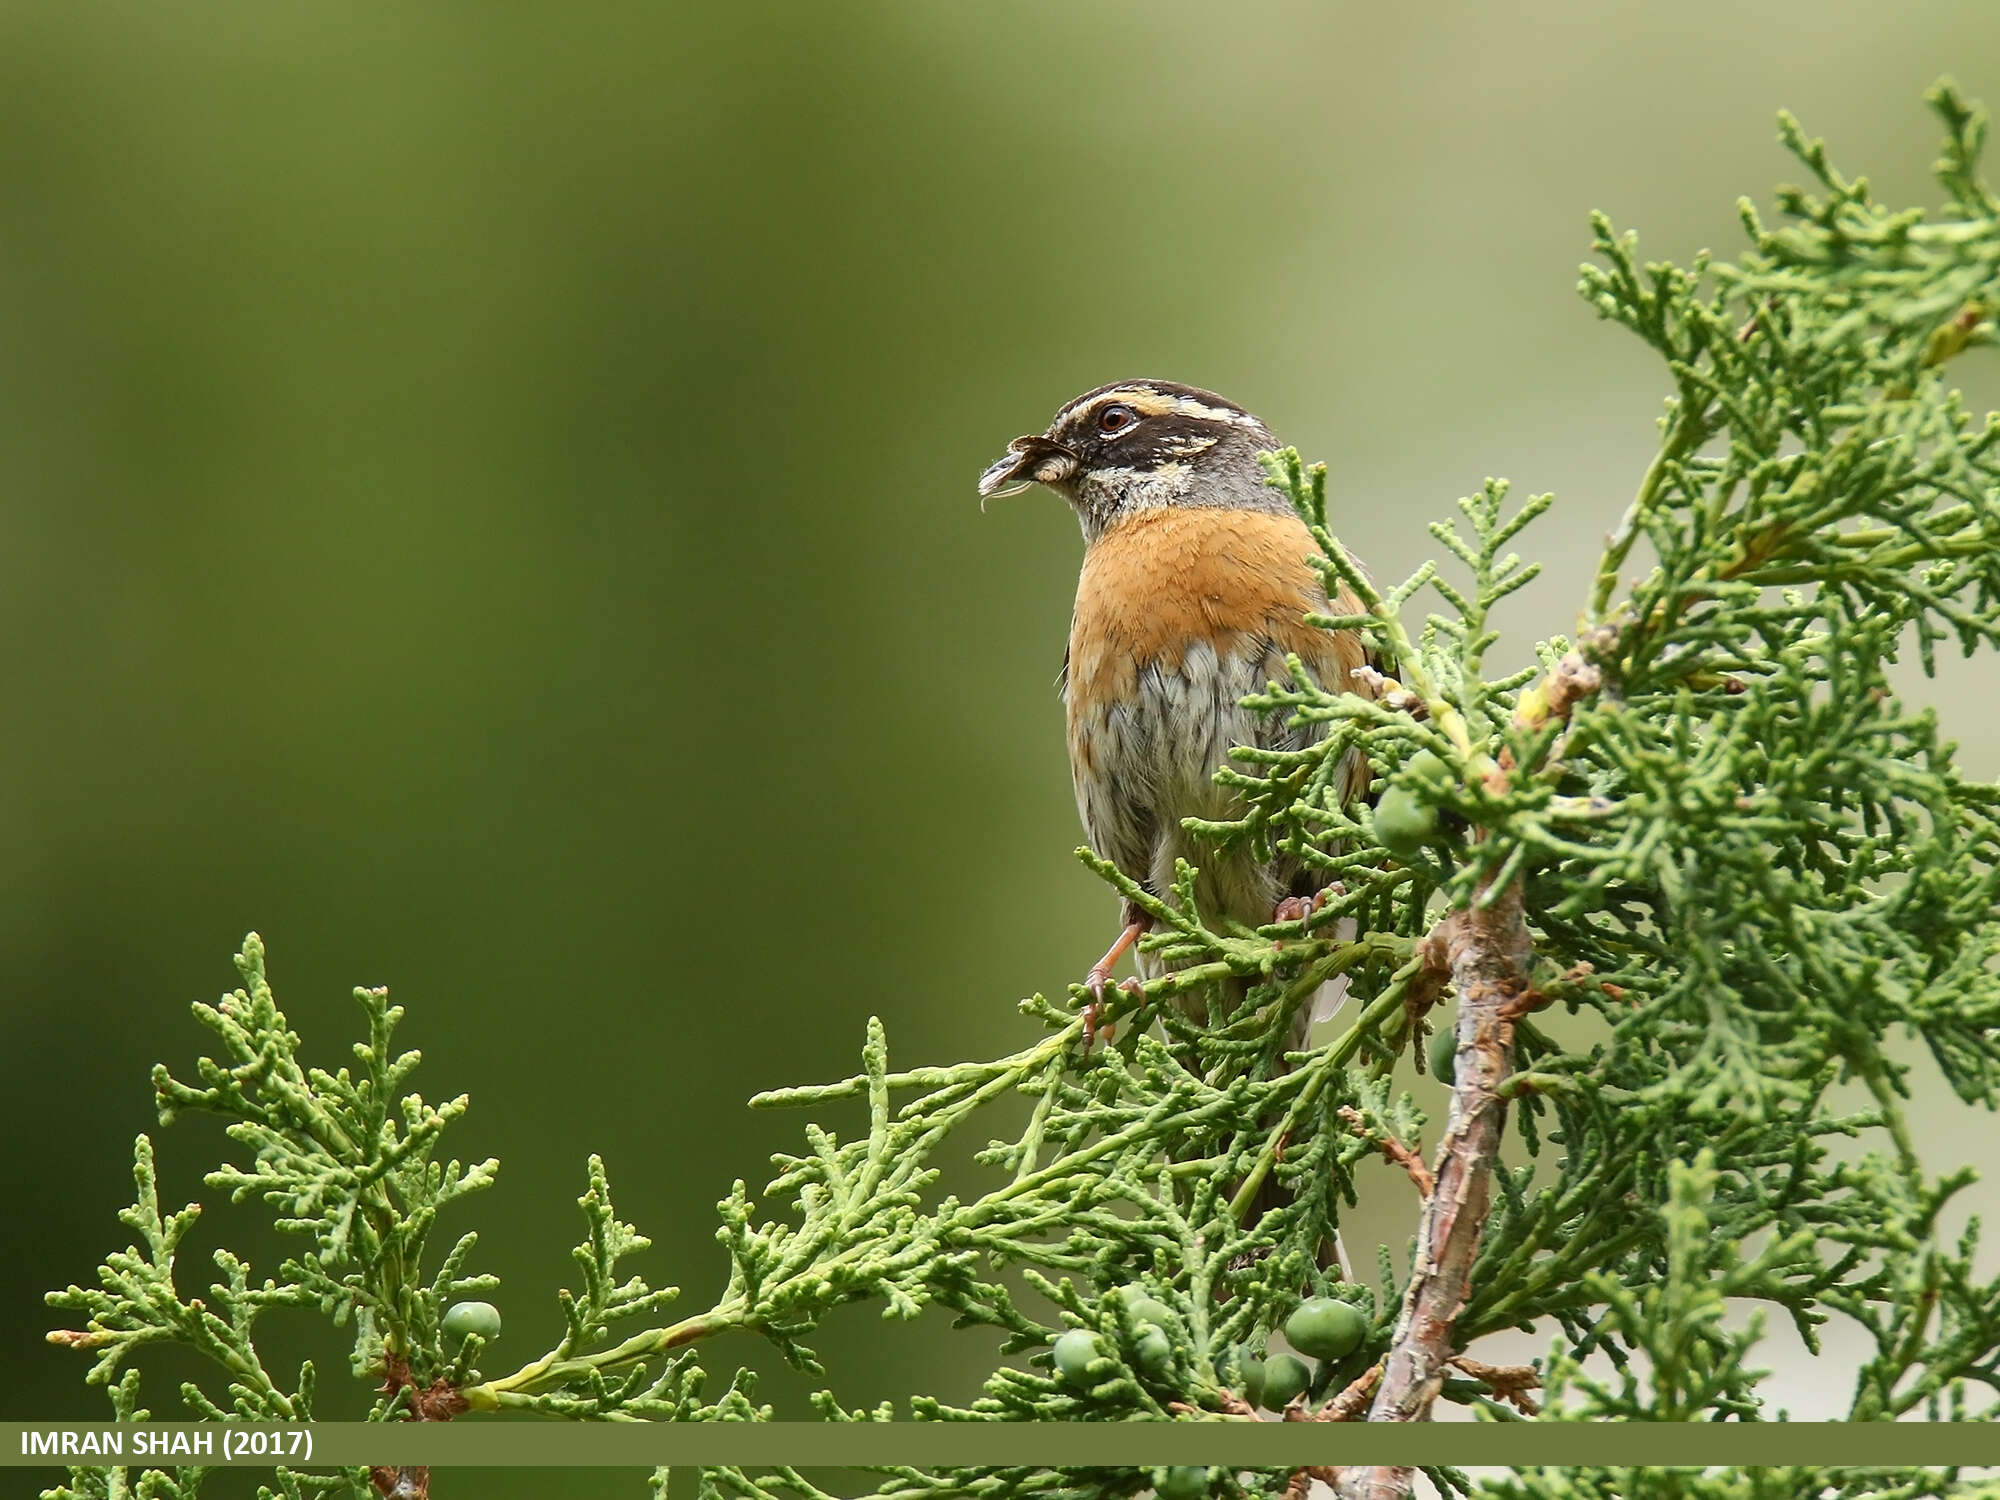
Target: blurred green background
(488, 503)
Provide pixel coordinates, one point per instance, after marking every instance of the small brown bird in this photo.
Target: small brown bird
(1194, 588)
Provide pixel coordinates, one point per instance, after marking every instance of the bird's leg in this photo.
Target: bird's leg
(1099, 977)
(1100, 972)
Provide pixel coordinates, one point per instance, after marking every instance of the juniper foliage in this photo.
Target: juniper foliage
(1743, 864)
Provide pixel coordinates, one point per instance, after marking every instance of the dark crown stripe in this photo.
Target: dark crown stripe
(1164, 390)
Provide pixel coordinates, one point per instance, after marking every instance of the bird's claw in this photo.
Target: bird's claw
(1298, 908)
(1097, 981)
(1100, 976)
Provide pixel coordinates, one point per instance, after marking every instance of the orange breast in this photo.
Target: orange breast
(1159, 581)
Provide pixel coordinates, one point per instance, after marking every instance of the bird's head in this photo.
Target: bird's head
(1140, 445)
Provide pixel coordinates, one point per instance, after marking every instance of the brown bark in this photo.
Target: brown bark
(1490, 956)
(437, 1402)
(1395, 1150)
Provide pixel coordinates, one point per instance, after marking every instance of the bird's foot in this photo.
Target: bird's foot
(1099, 979)
(1094, 1023)
(1298, 908)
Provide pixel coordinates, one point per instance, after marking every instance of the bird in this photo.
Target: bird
(1197, 577)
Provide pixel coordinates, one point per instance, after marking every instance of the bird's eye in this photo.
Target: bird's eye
(1114, 419)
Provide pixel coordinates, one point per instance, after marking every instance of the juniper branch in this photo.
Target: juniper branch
(1708, 823)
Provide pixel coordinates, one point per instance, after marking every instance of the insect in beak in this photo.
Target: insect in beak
(1031, 459)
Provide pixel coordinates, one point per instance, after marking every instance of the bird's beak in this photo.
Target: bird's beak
(1028, 460)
